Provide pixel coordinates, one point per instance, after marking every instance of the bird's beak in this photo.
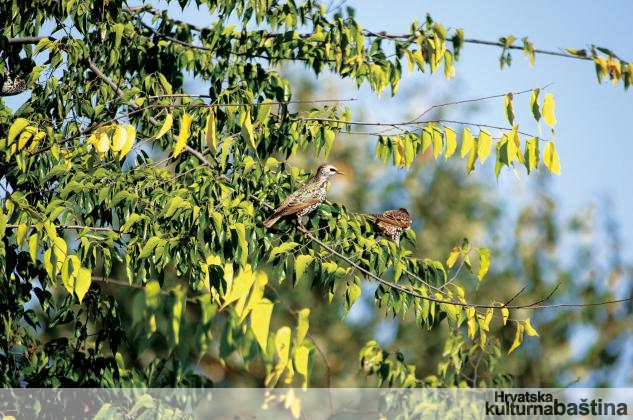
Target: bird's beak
(339, 172)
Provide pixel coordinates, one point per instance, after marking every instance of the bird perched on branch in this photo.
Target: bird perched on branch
(392, 223)
(306, 199)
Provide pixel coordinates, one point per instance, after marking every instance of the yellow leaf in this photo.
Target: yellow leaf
(550, 158)
(531, 154)
(183, 136)
(33, 246)
(484, 263)
(282, 345)
(260, 321)
(484, 143)
(130, 139)
(102, 143)
(302, 325)
(505, 313)
(467, 142)
(472, 322)
(169, 121)
(20, 234)
(548, 110)
(82, 283)
(301, 359)
(211, 136)
(437, 143)
(247, 128)
(241, 285)
(119, 138)
(529, 329)
(452, 257)
(518, 338)
(451, 142)
(511, 145)
(16, 128)
(70, 271)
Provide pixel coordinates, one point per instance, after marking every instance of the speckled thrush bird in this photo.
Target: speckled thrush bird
(392, 223)
(306, 199)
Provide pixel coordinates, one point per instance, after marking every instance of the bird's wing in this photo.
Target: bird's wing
(295, 206)
(395, 218)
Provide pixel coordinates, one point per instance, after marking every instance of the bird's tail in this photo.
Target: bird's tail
(271, 221)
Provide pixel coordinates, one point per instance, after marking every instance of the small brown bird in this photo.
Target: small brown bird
(392, 223)
(306, 199)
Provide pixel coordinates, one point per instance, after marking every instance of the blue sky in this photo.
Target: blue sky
(593, 134)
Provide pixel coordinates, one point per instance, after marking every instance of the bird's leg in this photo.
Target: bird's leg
(302, 228)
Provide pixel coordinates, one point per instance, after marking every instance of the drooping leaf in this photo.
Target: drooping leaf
(169, 121)
(468, 142)
(451, 142)
(548, 110)
(509, 109)
(484, 143)
(301, 264)
(183, 135)
(550, 158)
(518, 337)
(260, 321)
(247, 128)
(529, 329)
(210, 131)
(16, 128)
(484, 263)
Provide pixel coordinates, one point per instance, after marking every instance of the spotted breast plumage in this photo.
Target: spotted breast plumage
(392, 223)
(306, 199)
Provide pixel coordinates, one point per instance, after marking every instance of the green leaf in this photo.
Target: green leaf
(150, 245)
(169, 121)
(548, 110)
(531, 155)
(484, 143)
(210, 132)
(484, 263)
(352, 293)
(247, 128)
(328, 138)
(550, 158)
(508, 108)
(302, 325)
(174, 204)
(283, 248)
(451, 142)
(16, 128)
(468, 142)
(301, 263)
(241, 237)
(183, 136)
(260, 321)
(70, 271)
(536, 111)
(131, 220)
